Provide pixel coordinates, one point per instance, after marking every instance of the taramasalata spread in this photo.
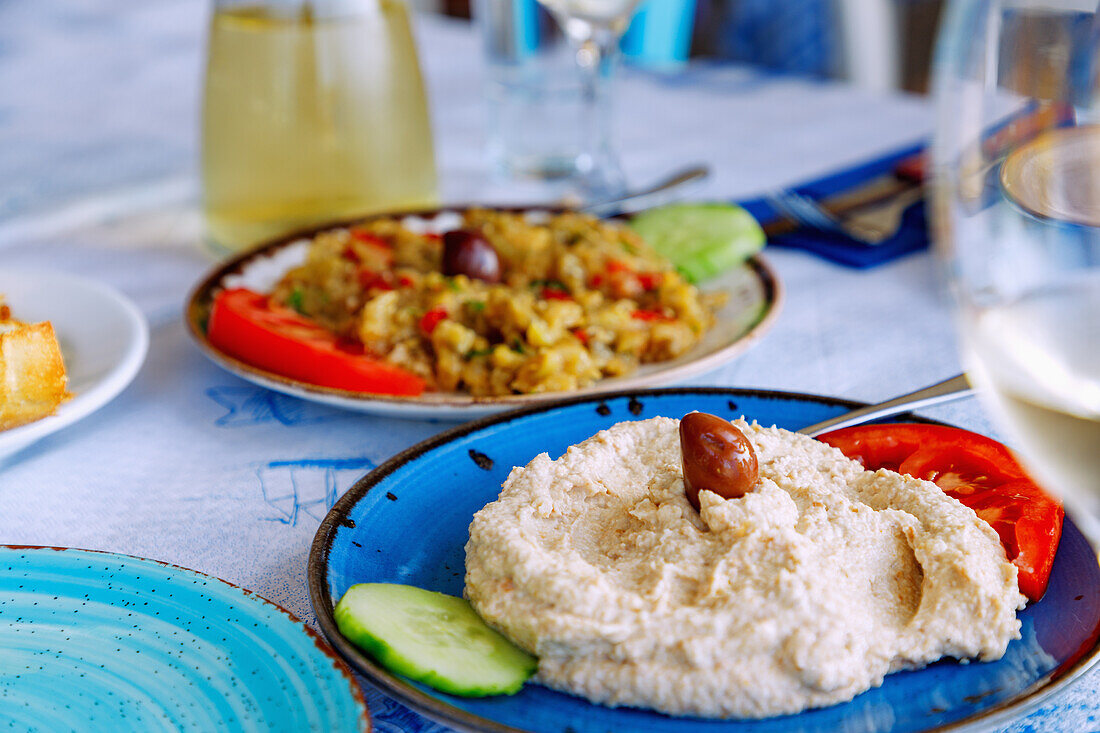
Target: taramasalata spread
(802, 592)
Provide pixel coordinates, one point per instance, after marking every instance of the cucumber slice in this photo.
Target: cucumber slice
(701, 240)
(432, 638)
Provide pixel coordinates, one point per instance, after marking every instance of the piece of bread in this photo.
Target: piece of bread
(32, 373)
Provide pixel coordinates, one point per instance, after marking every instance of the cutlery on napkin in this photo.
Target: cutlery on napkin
(875, 212)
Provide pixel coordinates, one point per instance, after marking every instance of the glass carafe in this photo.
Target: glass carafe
(314, 110)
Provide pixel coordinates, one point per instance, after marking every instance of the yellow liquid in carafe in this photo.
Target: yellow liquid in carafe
(307, 120)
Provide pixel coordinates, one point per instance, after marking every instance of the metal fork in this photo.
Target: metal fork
(803, 210)
(871, 224)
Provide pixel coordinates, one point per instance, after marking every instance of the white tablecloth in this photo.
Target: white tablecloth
(191, 465)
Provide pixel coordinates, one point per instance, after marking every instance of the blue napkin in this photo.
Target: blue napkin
(912, 236)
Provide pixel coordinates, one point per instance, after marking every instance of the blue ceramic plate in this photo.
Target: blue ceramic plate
(406, 522)
(99, 641)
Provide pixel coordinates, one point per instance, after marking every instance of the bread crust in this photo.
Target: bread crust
(33, 382)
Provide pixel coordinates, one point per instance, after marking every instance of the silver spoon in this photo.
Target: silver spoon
(659, 193)
(950, 389)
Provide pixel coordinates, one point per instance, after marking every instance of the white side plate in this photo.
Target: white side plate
(103, 337)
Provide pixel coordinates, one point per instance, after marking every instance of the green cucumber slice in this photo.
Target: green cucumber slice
(701, 240)
(432, 638)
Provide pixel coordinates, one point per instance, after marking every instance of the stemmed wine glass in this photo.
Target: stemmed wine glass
(594, 28)
(1016, 160)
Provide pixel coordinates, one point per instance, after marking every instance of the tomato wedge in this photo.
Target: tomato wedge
(979, 472)
(247, 326)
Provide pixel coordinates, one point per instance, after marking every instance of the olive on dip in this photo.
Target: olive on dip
(467, 252)
(716, 456)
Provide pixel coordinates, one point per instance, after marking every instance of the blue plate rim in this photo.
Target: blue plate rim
(319, 640)
(441, 712)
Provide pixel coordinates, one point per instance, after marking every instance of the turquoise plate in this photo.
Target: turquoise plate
(406, 522)
(99, 641)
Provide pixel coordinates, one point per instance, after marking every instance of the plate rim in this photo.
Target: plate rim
(1027, 153)
(339, 663)
(435, 709)
(102, 391)
(449, 402)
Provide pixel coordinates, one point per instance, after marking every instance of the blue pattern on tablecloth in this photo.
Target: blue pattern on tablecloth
(388, 716)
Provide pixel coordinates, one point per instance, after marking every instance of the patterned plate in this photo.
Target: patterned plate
(755, 297)
(99, 641)
(406, 522)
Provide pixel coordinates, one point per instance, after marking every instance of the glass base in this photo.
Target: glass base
(574, 179)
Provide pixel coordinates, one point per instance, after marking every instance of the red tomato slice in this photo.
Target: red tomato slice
(979, 472)
(245, 325)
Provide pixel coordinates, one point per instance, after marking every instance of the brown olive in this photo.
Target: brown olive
(467, 252)
(716, 456)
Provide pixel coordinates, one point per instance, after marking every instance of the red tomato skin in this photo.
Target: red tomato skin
(372, 239)
(245, 325)
(979, 472)
(431, 319)
(377, 280)
(650, 315)
(554, 294)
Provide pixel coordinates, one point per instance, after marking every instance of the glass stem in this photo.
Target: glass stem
(596, 53)
(596, 57)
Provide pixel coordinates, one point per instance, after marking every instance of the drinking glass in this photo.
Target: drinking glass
(313, 110)
(537, 116)
(594, 29)
(1016, 160)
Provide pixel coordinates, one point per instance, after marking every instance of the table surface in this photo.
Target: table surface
(98, 111)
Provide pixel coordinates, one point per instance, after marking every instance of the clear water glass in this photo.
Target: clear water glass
(1017, 199)
(549, 94)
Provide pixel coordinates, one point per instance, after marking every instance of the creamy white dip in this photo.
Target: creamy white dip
(802, 593)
